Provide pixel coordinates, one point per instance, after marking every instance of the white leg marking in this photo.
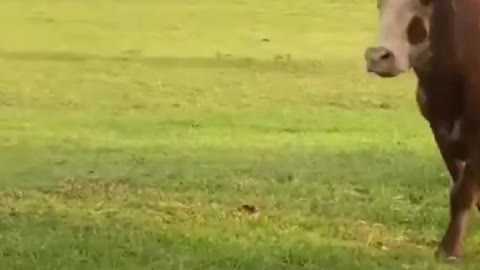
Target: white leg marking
(456, 130)
(461, 167)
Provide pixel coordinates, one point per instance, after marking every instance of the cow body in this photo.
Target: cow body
(455, 35)
(445, 36)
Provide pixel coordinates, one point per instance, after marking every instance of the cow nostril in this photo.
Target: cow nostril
(386, 55)
(377, 55)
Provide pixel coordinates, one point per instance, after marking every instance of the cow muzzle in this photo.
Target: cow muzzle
(381, 61)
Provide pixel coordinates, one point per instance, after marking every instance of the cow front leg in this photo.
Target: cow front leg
(453, 154)
(462, 197)
(451, 158)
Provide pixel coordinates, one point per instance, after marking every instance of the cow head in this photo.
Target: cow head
(403, 37)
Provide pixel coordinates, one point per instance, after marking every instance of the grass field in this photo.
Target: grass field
(236, 134)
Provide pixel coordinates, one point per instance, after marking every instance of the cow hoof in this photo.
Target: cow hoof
(442, 255)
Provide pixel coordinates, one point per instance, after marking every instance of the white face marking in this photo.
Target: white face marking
(395, 18)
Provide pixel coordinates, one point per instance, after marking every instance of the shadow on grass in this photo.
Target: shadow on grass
(277, 63)
(52, 242)
(176, 165)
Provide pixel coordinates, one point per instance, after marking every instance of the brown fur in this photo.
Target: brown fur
(428, 102)
(453, 90)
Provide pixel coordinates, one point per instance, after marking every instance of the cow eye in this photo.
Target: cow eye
(416, 31)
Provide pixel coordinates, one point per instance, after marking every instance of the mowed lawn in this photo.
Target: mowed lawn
(236, 134)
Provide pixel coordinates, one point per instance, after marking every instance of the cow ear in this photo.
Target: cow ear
(426, 2)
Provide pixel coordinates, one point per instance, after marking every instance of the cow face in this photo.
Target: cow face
(403, 37)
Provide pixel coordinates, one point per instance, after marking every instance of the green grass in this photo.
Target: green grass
(138, 135)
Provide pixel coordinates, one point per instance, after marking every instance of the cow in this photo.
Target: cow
(404, 44)
(439, 40)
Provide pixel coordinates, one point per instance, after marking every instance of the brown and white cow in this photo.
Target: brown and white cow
(404, 44)
(439, 40)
